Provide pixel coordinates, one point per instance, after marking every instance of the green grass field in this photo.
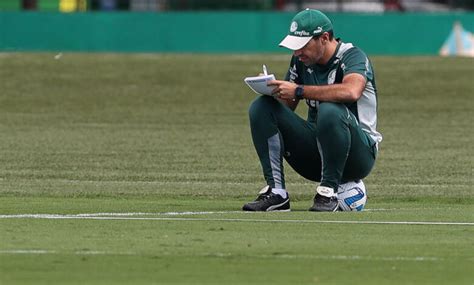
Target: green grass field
(159, 139)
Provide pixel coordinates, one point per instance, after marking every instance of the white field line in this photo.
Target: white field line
(354, 257)
(191, 182)
(186, 213)
(27, 251)
(65, 216)
(225, 255)
(158, 213)
(242, 183)
(399, 209)
(130, 216)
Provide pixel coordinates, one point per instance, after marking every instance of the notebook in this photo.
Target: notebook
(258, 84)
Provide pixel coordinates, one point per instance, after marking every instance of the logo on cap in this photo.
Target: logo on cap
(318, 30)
(301, 33)
(293, 27)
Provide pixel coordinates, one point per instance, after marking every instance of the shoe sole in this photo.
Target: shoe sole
(273, 208)
(312, 210)
(316, 210)
(287, 210)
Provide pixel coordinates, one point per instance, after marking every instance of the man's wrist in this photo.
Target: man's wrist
(299, 92)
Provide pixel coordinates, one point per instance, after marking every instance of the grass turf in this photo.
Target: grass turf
(92, 133)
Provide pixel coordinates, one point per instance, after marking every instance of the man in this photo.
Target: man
(338, 142)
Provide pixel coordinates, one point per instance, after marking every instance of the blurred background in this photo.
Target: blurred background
(374, 6)
(380, 27)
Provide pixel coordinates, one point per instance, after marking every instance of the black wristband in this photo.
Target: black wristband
(299, 92)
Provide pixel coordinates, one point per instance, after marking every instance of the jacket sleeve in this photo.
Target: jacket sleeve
(355, 61)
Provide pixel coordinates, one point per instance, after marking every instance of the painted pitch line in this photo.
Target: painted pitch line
(27, 251)
(358, 257)
(225, 255)
(48, 217)
(191, 182)
(160, 213)
(186, 213)
(58, 216)
(239, 183)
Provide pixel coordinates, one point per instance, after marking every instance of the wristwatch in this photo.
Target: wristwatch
(299, 92)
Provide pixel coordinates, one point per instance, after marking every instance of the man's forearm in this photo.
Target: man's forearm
(332, 93)
(349, 90)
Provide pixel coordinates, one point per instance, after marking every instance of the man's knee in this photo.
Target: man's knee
(331, 114)
(262, 105)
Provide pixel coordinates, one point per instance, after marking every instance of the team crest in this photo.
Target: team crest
(293, 27)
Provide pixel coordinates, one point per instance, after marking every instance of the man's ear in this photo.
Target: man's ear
(325, 36)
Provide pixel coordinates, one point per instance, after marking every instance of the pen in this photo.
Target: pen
(265, 70)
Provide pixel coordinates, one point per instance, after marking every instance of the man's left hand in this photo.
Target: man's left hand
(283, 89)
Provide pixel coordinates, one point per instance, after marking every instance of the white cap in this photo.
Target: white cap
(294, 43)
(304, 26)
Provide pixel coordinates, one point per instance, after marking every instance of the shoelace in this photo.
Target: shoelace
(264, 196)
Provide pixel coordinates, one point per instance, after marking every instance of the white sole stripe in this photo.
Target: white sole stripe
(130, 217)
(272, 208)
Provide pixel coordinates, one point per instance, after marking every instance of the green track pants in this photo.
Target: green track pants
(332, 151)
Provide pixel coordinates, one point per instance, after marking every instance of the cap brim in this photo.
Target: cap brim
(294, 43)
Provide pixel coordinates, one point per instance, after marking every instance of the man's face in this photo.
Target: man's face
(312, 52)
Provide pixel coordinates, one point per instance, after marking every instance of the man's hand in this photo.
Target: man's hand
(283, 89)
